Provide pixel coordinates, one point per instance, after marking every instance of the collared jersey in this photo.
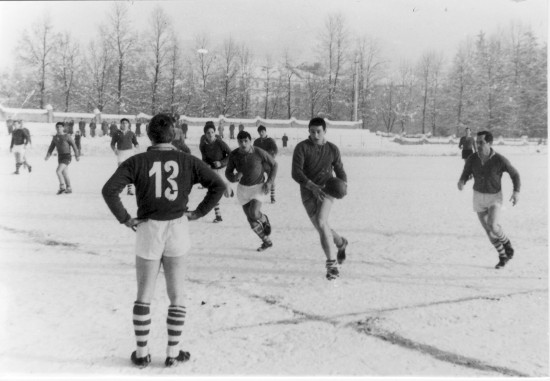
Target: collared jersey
(251, 164)
(267, 144)
(218, 150)
(63, 143)
(124, 140)
(316, 163)
(487, 177)
(20, 136)
(467, 143)
(163, 178)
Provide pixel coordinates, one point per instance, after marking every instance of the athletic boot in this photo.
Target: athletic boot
(29, 168)
(273, 200)
(61, 191)
(509, 250)
(332, 269)
(265, 246)
(68, 190)
(175, 361)
(502, 260)
(341, 255)
(267, 226)
(217, 219)
(140, 362)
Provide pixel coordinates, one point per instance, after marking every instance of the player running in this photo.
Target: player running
(249, 162)
(63, 143)
(19, 139)
(267, 144)
(467, 144)
(313, 162)
(163, 177)
(121, 144)
(487, 167)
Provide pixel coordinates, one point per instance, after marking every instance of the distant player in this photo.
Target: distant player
(179, 141)
(231, 131)
(249, 163)
(123, 142)
(487, 167)
(20, 137)
(467, 144)
(285, 140)
(63, 143)
(313, 162)
(267, 144)
(163, 177)
(82, 127)
(215, 152)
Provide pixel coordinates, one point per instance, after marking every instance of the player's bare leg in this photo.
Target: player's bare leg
(490, 222)
(17, 162)
(59, 172)
(258, 222)
(320, 222)
(65, 173)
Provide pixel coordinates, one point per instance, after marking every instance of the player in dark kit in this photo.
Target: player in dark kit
(249, 162)
(313, 162)
(19, 139)
(267, 144)
(123, 142)
(467, 144)
(63, 142)
(215, 152)
(163, 177)
(487, 167)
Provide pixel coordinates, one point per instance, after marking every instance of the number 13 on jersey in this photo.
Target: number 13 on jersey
(171, 192)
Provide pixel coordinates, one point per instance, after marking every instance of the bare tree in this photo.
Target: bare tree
(268, 74)
(159, 46)
(245, 80)
(36, 50)
(206, 59)
(288, 72)
(387, 110)
(425, 68)
(174, 63)
(67, 66)
(100, 66)
(461, 81)
(404, 108)
(371, 69)
(229, 61)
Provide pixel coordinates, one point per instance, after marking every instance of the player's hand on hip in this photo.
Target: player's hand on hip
(133, 223)
(514, 198)
(460, 185)
(266, 187)
(228, 191)
(191, 215)
(217, 164)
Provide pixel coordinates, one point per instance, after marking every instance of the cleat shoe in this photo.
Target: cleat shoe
(332, 270)
(265, 246)
(141, 362)
(501, 262)
(175, 361)
(29, 168)
(16, 172)
(273, 201)
(61, 191)
(217, 219)
(341, 255)
(68, 190)
(267, 226)
(509, 250)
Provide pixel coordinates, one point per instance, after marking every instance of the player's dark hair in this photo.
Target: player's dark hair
(261, 128)
(125, 119)
(60, 124)
(161, 129)
(488, 136)
(243, 135)
(318, 122)
(209, 125)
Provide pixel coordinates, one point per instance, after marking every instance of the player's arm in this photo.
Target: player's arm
(226, 151)
(210, 180)
(134, 141)
(274, 149)
(298, 159)
(50, 149)
(466, 172)
(113, 142)
(111, 192)
(272, 164)
(460, 143)
(230, 169)
(516, 181)
(75, 149)
(338, 166)
(12, 142)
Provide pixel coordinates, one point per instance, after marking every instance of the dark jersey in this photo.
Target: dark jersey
(123, 140)
(467, 143)
(20, 136)
(163, 177)
(487, 177)
(251, 165)
(267, 144)
(218, 150)
(63, 143)
(316, 162)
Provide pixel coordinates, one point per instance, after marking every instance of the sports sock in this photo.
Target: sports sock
(498, 245)
(174, 324)
(258, 228)
(17, 166)
(217, 211)
(502, 237)
(142, 325)
(273, 191)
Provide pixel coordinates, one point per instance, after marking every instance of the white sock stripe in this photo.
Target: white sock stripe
(142, 317)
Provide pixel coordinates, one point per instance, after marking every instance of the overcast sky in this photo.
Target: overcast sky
(405, 28)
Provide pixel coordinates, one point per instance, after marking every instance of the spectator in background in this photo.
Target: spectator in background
(467, 144)
(220, 129)
(82, 127)
(113, 128)
(231, 131)
(285, 140)
(241, 127)
(9, 124)
(184, 128)
(92, 128)
(138, 127)
(77, 138)
(70, 127)
(105, 128)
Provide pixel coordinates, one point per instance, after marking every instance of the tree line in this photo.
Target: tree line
(493, 81)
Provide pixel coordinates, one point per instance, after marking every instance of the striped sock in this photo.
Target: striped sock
(174, 324)
(502, 237)
(500, 248)
(142, 325)
(258, 228)
(17, 166)
(217, 211)
(273, 191)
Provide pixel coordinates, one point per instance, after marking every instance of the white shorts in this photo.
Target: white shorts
(483, 201)
(123, 154)
(155, 239)
(245, 194)
(19, 148)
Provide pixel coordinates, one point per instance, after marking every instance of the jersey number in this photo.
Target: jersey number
(171, 193)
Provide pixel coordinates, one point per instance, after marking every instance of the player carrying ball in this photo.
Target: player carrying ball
(163, 177)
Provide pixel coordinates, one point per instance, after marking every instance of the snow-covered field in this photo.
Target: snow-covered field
(417, 297)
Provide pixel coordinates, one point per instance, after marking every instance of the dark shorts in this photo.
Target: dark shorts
(466, 153)
(312, 205)
(64, 158)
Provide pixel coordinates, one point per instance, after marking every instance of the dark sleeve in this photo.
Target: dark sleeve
(226, 151)
(232, 177)
(256, 142)
(467, 171)
(267, 158)
(273, 149)
(112, 188)
(298, 159)
(12, 141)
(134, 140)
(461, 142)
(474, 146)
(338, 166)
(52, 146)
(210, 180)
(203, 151)
(75, 149)
(185, 149)
(113, 141)
(514, 174)
(28, 136)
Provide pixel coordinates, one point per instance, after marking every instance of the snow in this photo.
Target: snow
(418, 296)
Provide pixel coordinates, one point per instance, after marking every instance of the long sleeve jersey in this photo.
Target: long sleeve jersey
(20, 136)
(267, 144)
(467, 143)
(251, 164)
(63, 143)
(487, 177)
(218, 150)
(163, 177)
(315, 163)
(123, 140)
